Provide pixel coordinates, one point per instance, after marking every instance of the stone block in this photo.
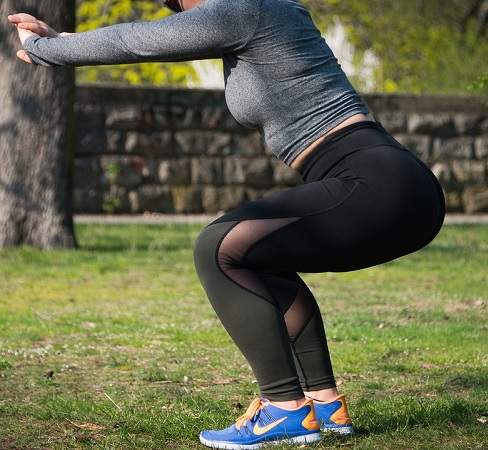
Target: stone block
(207, 118)
(234, 170)
(435, 124)
(219, 118)
(394, 122)
(178, 117)
(115, 141)
(203, 143)
(87, 173)
(189, 119)
(454, 148)
(174, 171)
(255, 172)
(475, 199)
(127, 118)
(207, 171)
(90, 117)
(442, 172)
(162, 118)
(187, 199)
(469, 172)
(154, 143)
(129, 176)
(91, 201)
(454, 203)
(256, 194)
(222, 199)
(145, 167)
(87, 201)
(249, 144)
(90, 141)
(259, 173)
(466, 123)
(284, 175)
(151, 198)
(484, 125)
(419, 145)
(481, 147)
(123, 197)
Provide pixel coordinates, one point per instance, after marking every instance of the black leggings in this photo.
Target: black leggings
(366, 200)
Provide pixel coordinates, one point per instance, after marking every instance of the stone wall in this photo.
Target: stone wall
(180, 151)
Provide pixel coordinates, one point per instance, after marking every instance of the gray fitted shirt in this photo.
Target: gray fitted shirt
(280, 75)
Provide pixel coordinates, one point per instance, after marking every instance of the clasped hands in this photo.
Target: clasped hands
(28, 25)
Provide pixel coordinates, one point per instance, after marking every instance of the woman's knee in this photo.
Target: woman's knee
(206, 247)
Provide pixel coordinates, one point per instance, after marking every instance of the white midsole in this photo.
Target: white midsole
(307, 439)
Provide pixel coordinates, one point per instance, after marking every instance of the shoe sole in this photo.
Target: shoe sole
(339, 430)
(307, 439)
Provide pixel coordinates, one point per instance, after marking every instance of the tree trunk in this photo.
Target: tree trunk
(36, 136)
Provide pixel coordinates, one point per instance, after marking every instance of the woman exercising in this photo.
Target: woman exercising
(366, 199)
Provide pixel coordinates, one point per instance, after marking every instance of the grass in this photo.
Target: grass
(115, 346)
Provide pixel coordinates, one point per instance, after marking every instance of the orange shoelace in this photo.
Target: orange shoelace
(254, 407)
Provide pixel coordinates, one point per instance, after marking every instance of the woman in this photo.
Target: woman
(366, 199)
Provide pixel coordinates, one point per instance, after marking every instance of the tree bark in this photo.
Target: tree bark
(36, 136)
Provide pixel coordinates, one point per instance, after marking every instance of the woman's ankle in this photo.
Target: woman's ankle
(289, 404)
(323, 395)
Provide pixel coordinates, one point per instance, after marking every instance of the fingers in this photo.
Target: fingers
(34, 28)
(27, 22)
(21, 54)
(21, 17)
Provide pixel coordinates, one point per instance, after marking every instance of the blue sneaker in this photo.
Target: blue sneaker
(333, 416)
(264, 423)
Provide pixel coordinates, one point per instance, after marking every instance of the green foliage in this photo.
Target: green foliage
(111, 200)
(422, 45)
(92, 14)
(480, 83)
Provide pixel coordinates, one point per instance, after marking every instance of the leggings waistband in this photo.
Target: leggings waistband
(344, 142)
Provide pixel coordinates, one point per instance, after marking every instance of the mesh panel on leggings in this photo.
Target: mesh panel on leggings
(284, 289)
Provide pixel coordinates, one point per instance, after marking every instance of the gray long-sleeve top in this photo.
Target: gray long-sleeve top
(280, 75)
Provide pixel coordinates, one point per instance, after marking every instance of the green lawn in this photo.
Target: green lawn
(115, 346)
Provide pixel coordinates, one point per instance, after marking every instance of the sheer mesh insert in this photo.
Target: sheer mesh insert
(283, 289)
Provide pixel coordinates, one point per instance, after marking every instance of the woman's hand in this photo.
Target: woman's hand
(28, 25)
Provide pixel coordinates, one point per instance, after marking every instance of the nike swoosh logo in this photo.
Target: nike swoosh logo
(261, 430)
